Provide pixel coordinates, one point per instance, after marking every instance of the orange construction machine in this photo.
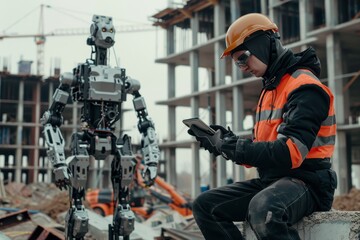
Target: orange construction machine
(101, 200)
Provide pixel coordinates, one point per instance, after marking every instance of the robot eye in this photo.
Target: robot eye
(103, 29)
(111, 30)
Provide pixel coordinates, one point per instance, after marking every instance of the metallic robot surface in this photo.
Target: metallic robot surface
(101, 89)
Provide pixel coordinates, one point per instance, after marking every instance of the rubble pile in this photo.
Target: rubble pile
(43, 197)
(49, 200)
(348, 202)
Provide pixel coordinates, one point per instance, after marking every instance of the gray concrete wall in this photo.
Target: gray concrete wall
(333, 225)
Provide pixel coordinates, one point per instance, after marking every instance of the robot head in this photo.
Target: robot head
(102, 31)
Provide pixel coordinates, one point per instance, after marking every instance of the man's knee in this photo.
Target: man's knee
(260, 203)
(200, 202)
(261, 211)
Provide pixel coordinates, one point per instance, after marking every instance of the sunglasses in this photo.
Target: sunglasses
(243, 59)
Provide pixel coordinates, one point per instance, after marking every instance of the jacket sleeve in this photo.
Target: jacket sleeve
(304, 112)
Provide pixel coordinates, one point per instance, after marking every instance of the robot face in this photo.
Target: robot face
(102, 31)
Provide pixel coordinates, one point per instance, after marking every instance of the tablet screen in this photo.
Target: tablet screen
(199, 123)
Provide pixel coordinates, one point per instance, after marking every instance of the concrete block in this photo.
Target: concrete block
(4, 237)
(99, 226)
(334, 225)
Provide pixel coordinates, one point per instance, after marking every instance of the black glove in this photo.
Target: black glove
(211, 142)
(225, 133)
(235, 148)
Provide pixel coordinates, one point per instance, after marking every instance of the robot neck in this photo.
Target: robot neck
(100, 56)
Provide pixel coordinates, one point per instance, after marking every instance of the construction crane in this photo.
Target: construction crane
(40, 37)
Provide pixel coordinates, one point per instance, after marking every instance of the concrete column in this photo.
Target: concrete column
(304, 23)
(303, 19)
(194, 22)
(264, 7)
(212, 165)
(171, 152)
(49, 166)
(234, 10)
(340, 163)
(194, 71)
(170, 39)
(19, 120)
(238, 116)
(272, 11)
(221, 120)
(195, 160)
(238, 98)
(331, 13)
(37, 131)
(220, 106)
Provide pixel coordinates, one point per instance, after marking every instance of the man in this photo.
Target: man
(294, 137)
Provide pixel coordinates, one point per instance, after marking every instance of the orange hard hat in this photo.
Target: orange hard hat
(243, 27)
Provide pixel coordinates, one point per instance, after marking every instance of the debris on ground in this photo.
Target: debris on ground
(47, 199)
(348, 202)
(43, 197)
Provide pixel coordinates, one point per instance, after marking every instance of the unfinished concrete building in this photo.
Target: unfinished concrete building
(195, 35)
(24, 98)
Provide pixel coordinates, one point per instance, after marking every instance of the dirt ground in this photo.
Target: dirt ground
(348, 202)
(44, 197)
(47, 198)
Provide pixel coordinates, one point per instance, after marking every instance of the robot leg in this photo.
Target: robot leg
(77, 220)
(122, 172)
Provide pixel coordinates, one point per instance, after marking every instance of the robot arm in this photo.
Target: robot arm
(52, 120)
(149, 142)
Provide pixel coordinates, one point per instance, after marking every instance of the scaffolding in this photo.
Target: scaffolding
(331, 27)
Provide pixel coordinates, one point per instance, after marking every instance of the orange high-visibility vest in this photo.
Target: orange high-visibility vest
(269, 119)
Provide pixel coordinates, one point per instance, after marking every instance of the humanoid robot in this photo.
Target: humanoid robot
(101, 89)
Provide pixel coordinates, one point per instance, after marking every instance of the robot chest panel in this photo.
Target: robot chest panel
(105, 84)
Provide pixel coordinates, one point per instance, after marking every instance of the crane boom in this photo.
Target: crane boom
(41, 37)
(79, 31)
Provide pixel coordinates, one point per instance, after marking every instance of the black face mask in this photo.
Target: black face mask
(259, 46)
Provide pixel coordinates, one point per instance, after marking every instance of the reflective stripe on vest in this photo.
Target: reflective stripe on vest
(269, 119)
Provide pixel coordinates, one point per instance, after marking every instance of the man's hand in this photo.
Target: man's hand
(225, 133)
(223, 142)
(211, 142)
(62, 177)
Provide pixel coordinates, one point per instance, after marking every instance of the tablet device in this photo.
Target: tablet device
(198, 123)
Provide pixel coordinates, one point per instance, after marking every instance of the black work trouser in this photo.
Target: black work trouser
(270, 210)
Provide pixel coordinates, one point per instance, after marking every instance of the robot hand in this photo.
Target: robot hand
(149, 175)
(62, 177)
